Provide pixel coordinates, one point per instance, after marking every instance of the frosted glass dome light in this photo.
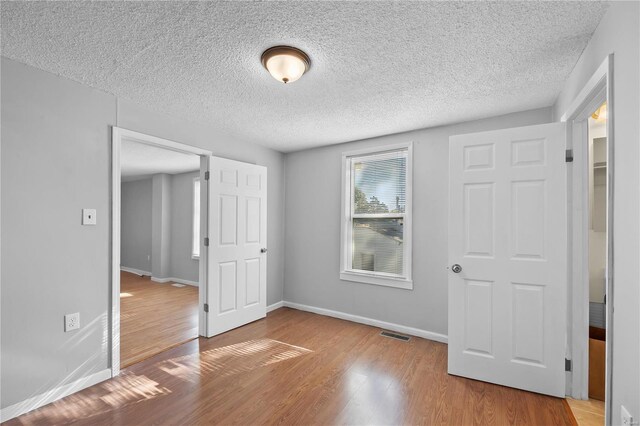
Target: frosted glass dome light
(285, 63)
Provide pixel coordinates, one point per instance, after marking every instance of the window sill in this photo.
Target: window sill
(376, 280)
(195, 257)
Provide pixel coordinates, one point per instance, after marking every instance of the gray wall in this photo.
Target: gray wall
(55, 161)
(619, 33)
(312, 235)
(135, 224)
(59, 131)
(174, 218)
(182, 265)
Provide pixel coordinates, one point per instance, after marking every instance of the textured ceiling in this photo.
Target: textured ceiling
(377, 67)
(138, 161)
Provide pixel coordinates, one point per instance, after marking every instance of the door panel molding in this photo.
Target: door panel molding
(508, 232)
(118, 135)
(238, 235)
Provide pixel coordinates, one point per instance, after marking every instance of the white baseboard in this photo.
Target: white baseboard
(275, 306)
(135, 271)
(175, 280)
(55, 394)
(140, 272)
(370, 321)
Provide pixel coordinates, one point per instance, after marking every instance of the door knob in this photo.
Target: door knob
(263, 250)
(456, 268)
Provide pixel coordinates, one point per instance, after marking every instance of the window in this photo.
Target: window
(376, 227)
(195, 246)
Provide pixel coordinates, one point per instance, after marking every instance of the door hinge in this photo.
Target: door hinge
(206, 175)
(206, 307)
(568, 156)
(206, 241)
(567, 364)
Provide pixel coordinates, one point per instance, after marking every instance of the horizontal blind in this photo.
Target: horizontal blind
(378, 187)
(379, 183)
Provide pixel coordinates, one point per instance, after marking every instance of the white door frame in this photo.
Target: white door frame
(598, 89)
(117, 136)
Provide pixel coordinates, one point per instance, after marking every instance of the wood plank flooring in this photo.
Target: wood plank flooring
(587, 413)
(296, 367)
(154, 317)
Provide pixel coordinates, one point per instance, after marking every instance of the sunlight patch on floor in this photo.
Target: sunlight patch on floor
(232, 359)
(126, 389)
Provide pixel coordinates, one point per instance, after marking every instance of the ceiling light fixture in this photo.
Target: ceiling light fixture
(601, 113)
(285, 63)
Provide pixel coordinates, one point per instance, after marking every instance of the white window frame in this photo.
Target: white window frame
(195, 233)
(377, 278)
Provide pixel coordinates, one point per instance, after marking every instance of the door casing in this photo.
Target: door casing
(597, 90)
(117, 136)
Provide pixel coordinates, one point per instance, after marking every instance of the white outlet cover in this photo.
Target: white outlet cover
(88, 216)
(72, 322)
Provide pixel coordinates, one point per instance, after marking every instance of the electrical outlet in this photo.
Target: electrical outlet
(626, 418)
(71, 322)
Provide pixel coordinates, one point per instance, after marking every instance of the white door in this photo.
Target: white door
(237, 259)
(508, 234)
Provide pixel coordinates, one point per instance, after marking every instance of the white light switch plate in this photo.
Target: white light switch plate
(72, 322)
(88, 216)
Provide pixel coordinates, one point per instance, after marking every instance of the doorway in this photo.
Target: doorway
(590, 137)
(597, 248)
(230, 241)
(159, 249)
(159, 212)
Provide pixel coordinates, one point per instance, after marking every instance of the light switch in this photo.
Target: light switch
(88, 216)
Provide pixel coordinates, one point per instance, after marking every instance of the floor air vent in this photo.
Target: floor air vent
(395, 336)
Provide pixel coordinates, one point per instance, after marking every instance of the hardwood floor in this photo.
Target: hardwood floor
(296, 367)
(154, 317)
(587, 413)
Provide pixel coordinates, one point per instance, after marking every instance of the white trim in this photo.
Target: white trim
(141, 273)
(348, 274)
(597, 80)
(275, 306)
(175, 280)
(203, 295)
(599, 88)
(377, 149)
(377, 279)
(135, 271)
(54, 394)
(117, 136)
(430, 335)
(114, 335)
(143, 138)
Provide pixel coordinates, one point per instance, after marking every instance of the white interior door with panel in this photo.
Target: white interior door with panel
(237, 260)
(508, 257)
